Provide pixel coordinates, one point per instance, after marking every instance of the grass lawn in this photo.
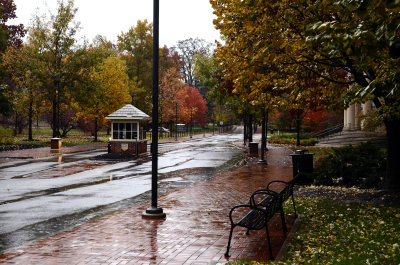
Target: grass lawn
(42, 137)
(75, 137)
(334, 232)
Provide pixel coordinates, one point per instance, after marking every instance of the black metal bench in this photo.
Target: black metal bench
(256, 217)
(261, 210)
(283, 195)
(287, 191)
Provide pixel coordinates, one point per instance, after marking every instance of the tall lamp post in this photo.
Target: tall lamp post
(154, 212)
(176, 121)
(191, 110)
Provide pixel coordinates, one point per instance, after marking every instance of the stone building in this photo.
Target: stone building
(351, 121)
(353, 132)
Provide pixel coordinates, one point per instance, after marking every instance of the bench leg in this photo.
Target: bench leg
(248, 232)
(284, 227)
(229, 242)
(271, 257)
(294, 206)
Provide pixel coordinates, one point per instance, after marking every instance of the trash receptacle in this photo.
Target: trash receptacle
(253, 149)
(55, 145)
(303, 163)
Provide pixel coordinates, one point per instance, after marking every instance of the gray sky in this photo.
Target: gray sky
(179, 19)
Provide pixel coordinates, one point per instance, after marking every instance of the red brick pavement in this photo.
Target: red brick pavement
(195, 231)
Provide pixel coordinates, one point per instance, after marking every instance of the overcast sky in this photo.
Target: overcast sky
(179, 19)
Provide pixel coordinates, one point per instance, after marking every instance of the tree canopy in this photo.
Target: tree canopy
(351, 47)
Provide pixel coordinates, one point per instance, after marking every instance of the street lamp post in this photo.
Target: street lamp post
(176, 121)
(154, 212)
(191, 110)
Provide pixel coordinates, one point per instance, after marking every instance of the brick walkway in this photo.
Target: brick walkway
(195, 231)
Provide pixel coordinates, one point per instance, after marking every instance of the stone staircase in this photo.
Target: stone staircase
(352, 138)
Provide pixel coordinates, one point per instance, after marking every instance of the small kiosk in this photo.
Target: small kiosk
(127, 134)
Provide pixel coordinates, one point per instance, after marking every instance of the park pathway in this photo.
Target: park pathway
(195, 231)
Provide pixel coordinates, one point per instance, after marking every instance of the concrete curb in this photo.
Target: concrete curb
(289, 238)
(284, 247)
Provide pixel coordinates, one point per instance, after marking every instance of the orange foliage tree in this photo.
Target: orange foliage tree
(193, 102)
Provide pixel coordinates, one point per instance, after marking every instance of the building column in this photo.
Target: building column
(345, 119)
(366, 107)
(357, 121)
(350, 117)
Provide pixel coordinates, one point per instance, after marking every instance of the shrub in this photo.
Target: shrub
(362, 166)
(274, 139)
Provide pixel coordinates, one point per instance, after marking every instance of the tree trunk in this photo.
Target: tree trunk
(298, 132)
(16, 124)
(95, 130)
(251, 128)
(30, 121)
(266, 130)
(244, 129)
(55, 121)
(392, 180)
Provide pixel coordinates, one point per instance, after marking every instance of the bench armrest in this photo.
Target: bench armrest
(276, 181)
(261, 191)
(250, 207)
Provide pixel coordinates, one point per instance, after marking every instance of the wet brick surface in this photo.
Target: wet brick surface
(195, 231)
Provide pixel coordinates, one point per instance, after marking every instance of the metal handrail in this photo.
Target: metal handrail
(329, 131)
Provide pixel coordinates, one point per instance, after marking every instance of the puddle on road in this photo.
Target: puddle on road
(63, 170)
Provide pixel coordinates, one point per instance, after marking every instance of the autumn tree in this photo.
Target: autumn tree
(194, 104)
(25, 73)
(10, 35)
(319, 120)
(359, 38)
(187, 49)
(55, 39)
(5, 104)
(222, 104)
(170, 84)
(108, 92)
(14, 33)
(136, 47)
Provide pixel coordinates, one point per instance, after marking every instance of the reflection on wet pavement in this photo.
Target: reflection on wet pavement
(195, 231)
(43, 196)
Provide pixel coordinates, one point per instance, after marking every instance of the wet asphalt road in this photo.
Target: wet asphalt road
(41, 197)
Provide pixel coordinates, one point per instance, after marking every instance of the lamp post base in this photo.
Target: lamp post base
(153, 213)
(262, 161)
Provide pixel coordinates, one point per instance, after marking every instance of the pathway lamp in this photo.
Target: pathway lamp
(176, 121)
(154, 212)
(191, 113)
